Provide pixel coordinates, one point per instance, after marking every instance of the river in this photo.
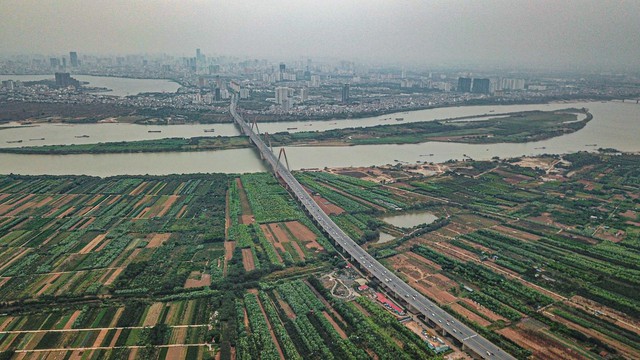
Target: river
(119, 86)
(615, 125)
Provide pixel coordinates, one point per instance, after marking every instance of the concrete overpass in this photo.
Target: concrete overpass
(470, 341)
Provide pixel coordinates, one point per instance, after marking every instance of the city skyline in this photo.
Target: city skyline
(540, 34)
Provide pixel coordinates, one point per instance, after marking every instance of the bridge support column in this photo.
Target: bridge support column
(443, 332)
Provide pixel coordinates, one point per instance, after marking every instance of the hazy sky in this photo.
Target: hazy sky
(602, 33)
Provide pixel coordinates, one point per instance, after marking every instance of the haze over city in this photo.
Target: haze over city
(599, 35)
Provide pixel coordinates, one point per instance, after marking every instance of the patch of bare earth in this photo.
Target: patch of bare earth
(158, 239)
(335, 325)
(197, 279)
(153, 314)
(247, 260)
(302, 233)
(542, 348)
(167, 205)
(176, 352)
(470, 315)
(93, 243)
(72, 319)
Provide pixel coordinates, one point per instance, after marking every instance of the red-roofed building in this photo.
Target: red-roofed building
(389, 304)
(362, 287)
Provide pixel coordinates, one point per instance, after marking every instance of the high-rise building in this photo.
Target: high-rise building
(55, 63)
(464, 84)
(315, 81)
(304, 94)
(218, 95)
(73, 58)
(481, 86)
(345, 93)
(283, 67)
(282, 93)
(65, 80)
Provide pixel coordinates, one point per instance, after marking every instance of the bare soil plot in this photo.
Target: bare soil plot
(22, 252)
(271, 238)
(197, 279)
(157, 239)
(102, 245)
(614, 316)
(484, 311)
(304, 234)
(176, 352)
(49, 282)
(101, 335)
(17, 204)
(178, 336)
(115, 338)
(93, 243)
(181, 212)
(470, 315)
(5, 322)
(335, 325)
(3, 280)
(518, 234)
(542, 347)
(72, 319)
(328, 207)
(229, 246)
(113, 276)
(153, 314)
(167, 204)
(247, 260)
(622, 348)
(138, 189)
(285, 306)
(87, 223)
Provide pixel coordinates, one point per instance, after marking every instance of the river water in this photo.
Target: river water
(615, 125)
(119, 86)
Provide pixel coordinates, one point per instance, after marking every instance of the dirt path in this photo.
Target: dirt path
(273, 335)
(341, 332)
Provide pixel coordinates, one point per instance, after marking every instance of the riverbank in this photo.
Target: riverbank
(515, 127)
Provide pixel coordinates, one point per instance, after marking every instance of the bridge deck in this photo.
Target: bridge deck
(468, 337)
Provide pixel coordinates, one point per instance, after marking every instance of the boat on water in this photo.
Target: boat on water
(292, 128)
(14, 141)
(155, 131)
(591, 145)
(209, 130)
(36, 139)
(82, 136)
(541, 147)
(399, 119)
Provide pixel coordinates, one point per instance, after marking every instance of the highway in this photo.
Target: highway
(472, 340)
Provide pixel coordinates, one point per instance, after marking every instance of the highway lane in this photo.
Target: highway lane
(401, 289)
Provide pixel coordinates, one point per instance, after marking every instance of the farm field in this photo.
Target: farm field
(542, 259)
(540, 256)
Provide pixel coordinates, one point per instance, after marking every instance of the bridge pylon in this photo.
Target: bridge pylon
(283, 152)
(255, 123)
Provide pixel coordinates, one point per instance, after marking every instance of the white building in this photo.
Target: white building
(304, 94)
(282, 93)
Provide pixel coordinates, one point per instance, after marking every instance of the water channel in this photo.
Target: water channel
(119, 86)
(615, 125)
